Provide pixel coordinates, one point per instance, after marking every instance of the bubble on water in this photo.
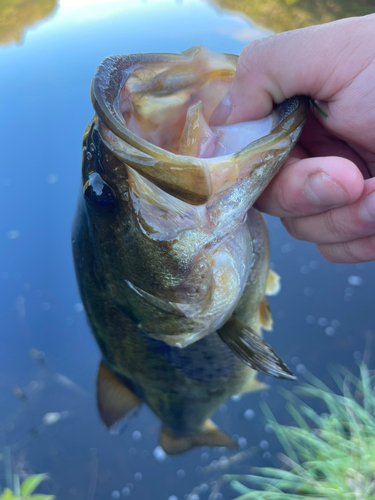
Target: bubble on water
(264, 444)
(281, 315)
(249, 414)
(287, 247)
(78, 307)
(268, 428)
(335, 323)
(330, 331)
(355, 280)
(305, 269)
(130, 486)
(295, 360)
(51, 418)
(136, 436)
(181, 473)
(204, 457)
(203, 488)
(323, 322)
(218, 496)
(301, 368)
(125, 491)
(236, 397)
(159, 454)
(313, 264)
(13, 234)
(267, 455)
(242, 442)
(138, 476)
(224, 461)
(172, 497)
(308, 292)
(115, 494)
(194, 496)
(52, 178)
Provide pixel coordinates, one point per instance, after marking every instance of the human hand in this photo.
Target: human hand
(325, 192)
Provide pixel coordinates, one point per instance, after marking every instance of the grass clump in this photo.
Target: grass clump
(27, 489)
(329, 456)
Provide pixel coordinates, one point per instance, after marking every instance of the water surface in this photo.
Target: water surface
(48, 358)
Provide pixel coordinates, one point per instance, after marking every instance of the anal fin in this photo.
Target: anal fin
(211, 435)
(265, 316)
(115, 401)
(253, 350)
(254, 385)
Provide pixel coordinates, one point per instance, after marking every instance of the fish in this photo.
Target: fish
(171, 259)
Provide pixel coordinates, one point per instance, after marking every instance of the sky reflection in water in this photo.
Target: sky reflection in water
(321, 315)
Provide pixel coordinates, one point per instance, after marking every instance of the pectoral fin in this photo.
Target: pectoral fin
(115, 401)
(253, 350)
(210, 436)
(273, 283)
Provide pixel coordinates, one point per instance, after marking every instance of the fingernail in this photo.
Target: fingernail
(222, 112)
(323, 191)
(367, 210)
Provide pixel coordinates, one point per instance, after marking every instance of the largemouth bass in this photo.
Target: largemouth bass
(167, 250)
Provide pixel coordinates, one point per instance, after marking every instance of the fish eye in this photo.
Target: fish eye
(99, 195)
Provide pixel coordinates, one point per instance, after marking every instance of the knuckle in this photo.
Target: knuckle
(336, 226)
(352, 252)
(349, 252)
(283, 201)
(249, 57)
(292, 226)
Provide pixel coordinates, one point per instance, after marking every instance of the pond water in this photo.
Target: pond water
(48, 357)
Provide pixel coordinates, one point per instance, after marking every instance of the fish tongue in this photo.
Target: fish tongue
(197, 138)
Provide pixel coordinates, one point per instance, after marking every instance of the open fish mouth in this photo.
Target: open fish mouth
(154, 112)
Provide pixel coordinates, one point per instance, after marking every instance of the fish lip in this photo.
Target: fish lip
(110, 114)
(195, 185)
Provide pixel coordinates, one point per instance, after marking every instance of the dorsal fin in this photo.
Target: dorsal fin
(211, 435)
(115, 401)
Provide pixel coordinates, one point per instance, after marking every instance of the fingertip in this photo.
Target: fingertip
(307, 186)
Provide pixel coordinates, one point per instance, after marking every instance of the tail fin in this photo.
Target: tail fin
(210, 436)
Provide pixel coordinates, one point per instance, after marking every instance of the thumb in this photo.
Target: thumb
(316, 61)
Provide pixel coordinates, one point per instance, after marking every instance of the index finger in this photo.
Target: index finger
(277, 67)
